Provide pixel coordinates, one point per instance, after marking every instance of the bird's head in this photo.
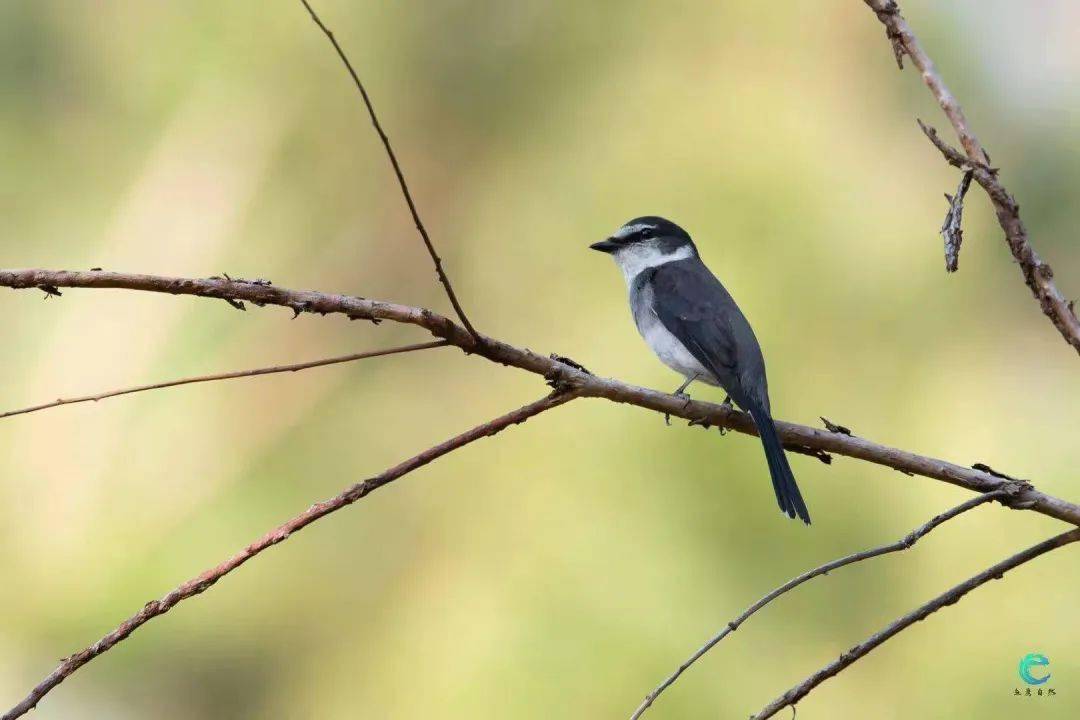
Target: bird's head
(646, 242)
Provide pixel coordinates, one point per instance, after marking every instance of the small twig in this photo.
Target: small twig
(227, 376)
(903, 544)
(319, 510)
(443, 278)
(952, 230)
(949, 597)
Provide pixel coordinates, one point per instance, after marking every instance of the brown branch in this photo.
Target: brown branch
(555, 370)
(443, 278)
(902, 544)
(1037, 274)
(279, 534)
(948, 597)
(227, 376)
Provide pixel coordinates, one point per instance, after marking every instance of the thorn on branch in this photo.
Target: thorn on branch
(897, 42)
(983, 467)
(50, 291)
(833, 427)
(95, 269)
(951, 229)
(238, 304)
(568, 361)
(812, 452)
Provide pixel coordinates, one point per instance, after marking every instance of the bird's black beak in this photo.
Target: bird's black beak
(605, 246)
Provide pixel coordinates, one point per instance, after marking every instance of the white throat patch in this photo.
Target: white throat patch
(642, 256)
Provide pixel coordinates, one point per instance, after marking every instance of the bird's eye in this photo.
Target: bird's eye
(647, 234)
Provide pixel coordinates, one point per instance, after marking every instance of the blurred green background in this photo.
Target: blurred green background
(562, 569)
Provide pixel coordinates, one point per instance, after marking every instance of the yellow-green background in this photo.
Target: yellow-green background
(561, 569)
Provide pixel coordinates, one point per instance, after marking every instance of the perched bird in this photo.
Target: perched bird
(696, 329)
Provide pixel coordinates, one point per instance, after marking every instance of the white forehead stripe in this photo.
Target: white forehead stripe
(628, 230)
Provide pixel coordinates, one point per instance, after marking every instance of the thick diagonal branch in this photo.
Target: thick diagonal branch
(945, 599)
(903, 543)
(279, 534)
(1037, 274)
(443, 277)
(555, 370)
(295, 367)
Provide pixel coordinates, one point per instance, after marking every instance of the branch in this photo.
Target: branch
(557, 371)
(279, 534)
(227, 376)
(903, 544)
(443, 278)
(948, 597)
(1037, 274)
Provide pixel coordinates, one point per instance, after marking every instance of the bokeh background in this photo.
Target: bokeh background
(562, 569)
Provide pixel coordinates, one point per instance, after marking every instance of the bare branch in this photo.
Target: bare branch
(279, 534)
(949, 597)
(555, 370)
(1037, 274)
(228, 376)
(903, 544)
(443, 278)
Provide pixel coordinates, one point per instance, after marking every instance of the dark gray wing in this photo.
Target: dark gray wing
(697, 309)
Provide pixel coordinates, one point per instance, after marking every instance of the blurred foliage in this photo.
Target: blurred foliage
(563, 568)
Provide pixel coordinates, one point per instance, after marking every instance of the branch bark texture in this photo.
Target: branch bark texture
(555, 371)
(1038, 275)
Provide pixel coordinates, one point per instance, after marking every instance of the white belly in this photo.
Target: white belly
(668, 348)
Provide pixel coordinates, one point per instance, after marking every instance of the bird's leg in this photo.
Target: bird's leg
(680, 392)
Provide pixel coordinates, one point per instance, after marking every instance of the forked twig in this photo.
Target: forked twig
(1038, 275)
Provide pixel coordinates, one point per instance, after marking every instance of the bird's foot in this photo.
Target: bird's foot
(727, 406)
(682, 395)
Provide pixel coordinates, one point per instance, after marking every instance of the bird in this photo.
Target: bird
(693, 325)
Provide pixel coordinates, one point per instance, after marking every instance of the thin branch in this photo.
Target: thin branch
(555, 370)
(228, 376)
(949, 597)
(902, 544)
(1037, 274)
(443, 278)
(279, 534)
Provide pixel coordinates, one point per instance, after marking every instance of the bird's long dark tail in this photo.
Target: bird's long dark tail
(787, 492)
